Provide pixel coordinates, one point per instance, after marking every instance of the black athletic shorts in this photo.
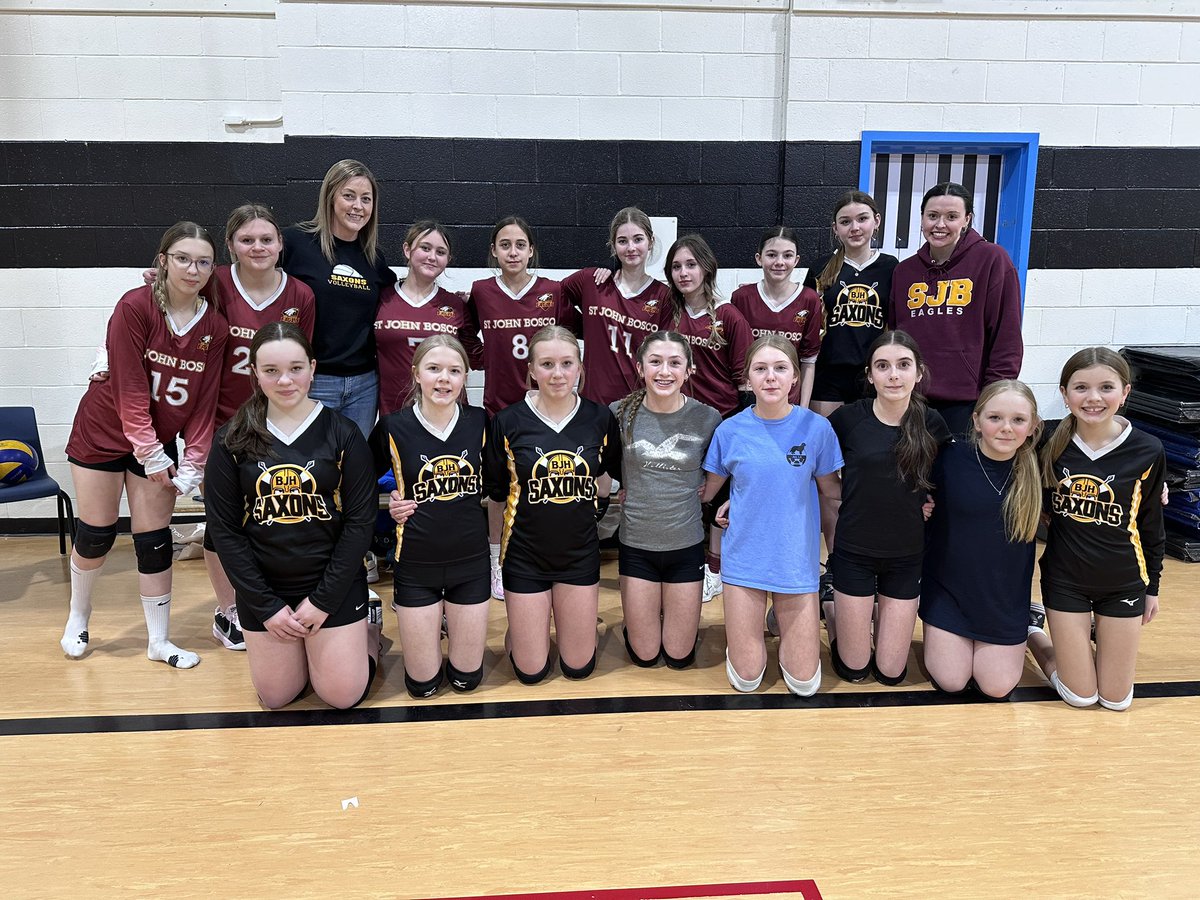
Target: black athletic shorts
(353, 608)
(860, 575)
(684, 566)
(128, 462)
(465, 583)
(839, 383)
(1116, 604)
(524, 576)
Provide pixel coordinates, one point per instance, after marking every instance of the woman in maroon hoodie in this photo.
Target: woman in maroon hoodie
(960, 297)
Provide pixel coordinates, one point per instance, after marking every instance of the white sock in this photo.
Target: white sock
(158, 622)
(1070, 697)
(494, 553)
(75, 636)
(738, 682)
(802, 688)
(1120, 705)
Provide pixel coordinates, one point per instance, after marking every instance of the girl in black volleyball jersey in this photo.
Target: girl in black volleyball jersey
(435, 447)
(290, 494)
(1105, 541)
(550, 457)
(889, 444)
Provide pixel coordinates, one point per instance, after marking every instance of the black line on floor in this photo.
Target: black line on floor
(518, 709)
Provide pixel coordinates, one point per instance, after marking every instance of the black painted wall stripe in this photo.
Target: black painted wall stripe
(905, 200)
(516, 709)
(993, 193)
(101, 204)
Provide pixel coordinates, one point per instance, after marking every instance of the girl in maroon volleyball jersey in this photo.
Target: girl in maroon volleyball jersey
(416, 308)
(617, 315)
(507, 311)
(165, 345)
(778, 305)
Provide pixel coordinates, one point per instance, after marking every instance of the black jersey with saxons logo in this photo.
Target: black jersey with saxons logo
(298, 524)
(1106, 522)
(445, 476)
(546, 476)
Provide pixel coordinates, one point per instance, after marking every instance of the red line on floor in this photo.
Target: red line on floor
(806, 888)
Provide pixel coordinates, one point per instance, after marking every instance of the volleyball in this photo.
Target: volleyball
(18, 462)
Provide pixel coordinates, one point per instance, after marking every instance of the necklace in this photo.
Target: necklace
(999, 490)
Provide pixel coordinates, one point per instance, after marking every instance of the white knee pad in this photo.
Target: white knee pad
(1119, 705)
(802, 688)
(1069, 696)
(739, 683)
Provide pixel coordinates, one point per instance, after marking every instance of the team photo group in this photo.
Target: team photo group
(872, 410)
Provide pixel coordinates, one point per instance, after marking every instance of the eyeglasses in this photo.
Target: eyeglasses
(185, 262)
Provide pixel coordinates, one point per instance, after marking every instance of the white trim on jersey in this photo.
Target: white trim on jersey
(1107, 448)
(858, 270)
(556, 427)
(628, 294)
(521, 293)
(417, 304)
(180, 332)
(777, 306)
(290, 439)
(441, 435)
(258, 307)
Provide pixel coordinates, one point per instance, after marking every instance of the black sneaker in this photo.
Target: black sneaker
(228, 630)
(1037, 617)
(374, 610)
(825, 587)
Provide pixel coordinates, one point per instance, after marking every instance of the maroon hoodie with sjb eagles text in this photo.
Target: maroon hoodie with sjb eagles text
(965, 315)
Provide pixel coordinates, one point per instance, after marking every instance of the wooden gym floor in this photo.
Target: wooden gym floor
(122, 777)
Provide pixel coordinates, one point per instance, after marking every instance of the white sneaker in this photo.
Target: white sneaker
(227, 629)
(372, 568)
(712, 584)
(497, 582)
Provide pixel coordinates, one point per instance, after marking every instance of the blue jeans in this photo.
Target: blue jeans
(354, 396)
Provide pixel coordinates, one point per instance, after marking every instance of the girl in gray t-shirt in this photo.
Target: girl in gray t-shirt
(664, 437)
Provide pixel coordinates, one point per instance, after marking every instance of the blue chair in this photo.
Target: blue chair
(20, 423)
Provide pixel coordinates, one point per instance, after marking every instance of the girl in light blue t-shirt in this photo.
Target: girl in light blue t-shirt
(773, 451)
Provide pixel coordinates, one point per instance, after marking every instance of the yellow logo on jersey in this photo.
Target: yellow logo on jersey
(287, 494)
(561, 476)
(858, 306)
(952, 295)
(545, 301)
(1088, 499)
(291, 315)
(446, 478)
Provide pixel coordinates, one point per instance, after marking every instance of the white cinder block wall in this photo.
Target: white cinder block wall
(1087, 73)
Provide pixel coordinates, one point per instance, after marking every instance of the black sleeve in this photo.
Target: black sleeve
(381, 450)
(1151, 524)
(496, 478)
(937, 426)
(359, 494)
(225, 511)
(386, 276)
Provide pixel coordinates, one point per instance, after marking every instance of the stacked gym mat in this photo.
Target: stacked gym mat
(1165, 401)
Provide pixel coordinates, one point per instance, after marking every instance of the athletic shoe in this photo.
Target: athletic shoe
(374, 610)
(372, 568)
(497, 582)
(1037, 617)
(228, 630)
(825, 586)
(445, 626)
(772, 622)
(712, 584)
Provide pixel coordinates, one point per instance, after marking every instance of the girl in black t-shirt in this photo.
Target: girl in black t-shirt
(434, 445)
(978, 567)
(889, 443)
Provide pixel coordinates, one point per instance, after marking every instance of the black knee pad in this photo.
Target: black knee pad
(92, 541)
(682, 662)
(941, 690)
(422, 689)
(887, 679)
(991, 698)
(582, 672)
(463, 681)
(153, 550)
(208, 541)
(634, 658)
(843, 671)
(526, 678)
